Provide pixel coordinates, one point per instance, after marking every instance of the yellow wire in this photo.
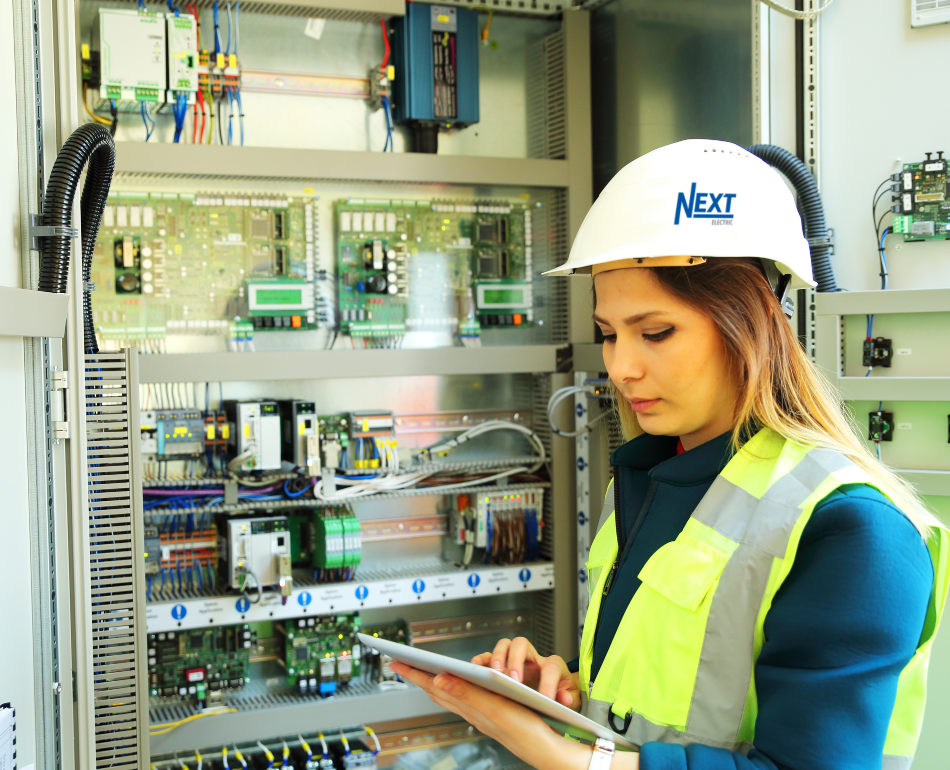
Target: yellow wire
(85, 103)
(167, 727)
(491, 14)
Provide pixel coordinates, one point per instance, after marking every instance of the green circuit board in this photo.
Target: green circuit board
(924, 201)
(375, 664)
(321, 653)
(429, 265)
(177, 263)
(192, 664)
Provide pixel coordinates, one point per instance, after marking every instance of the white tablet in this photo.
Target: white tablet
(560, 717)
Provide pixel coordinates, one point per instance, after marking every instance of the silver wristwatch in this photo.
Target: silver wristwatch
(603, 755)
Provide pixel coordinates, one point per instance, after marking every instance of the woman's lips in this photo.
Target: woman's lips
(642, 405)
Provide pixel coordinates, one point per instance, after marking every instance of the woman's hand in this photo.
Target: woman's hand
(549, 676)
(518, 729)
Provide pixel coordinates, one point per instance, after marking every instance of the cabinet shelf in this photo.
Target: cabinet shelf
(263, 716)
(431, 580)
(250, 163)
(883, 301)
(894, 388)
(344, 364)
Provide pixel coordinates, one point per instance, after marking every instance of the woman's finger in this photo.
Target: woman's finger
(519, 649)
(550, 678)
(482, 660)
(499, 656)
(570, 698)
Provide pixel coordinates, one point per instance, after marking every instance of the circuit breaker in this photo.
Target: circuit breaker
(132, 50)
(256, 434)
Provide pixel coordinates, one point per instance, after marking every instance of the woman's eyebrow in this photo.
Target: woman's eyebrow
(631, 320)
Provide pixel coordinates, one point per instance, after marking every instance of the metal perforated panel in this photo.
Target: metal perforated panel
(115, 668)
(547, 98)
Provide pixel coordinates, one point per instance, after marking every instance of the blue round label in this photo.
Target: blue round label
(525, 575)
(179, 611)
(474, 580)
(303, 598)
(242, 605)
(419, 586)
(579, 410)
(581, 517)
(582, 575)
(362, 592)
(581, 464)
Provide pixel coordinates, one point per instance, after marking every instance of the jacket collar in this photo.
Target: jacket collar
(656, 455)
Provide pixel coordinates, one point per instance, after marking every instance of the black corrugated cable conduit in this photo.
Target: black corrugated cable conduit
(809, 202)
(92, 144)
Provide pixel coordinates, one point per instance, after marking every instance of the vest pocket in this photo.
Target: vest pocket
(683, 571)
(654, 658)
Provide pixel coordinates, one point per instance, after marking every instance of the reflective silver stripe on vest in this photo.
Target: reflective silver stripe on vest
(762, 528)
(608, 505)
(727, 660)
(643, 731)
(893, 762)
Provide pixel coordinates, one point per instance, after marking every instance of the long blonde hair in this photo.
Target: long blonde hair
(779, 387)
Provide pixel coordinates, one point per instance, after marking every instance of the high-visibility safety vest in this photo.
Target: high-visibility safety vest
(681, 667)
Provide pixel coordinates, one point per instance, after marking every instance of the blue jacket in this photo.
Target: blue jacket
(840, 631)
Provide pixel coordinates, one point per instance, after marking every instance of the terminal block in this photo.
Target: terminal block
(881, 426)
(877, 352)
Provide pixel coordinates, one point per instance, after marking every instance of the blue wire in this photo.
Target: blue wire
(389, 126)
(149, 594)
(217, 34)
(145, 118)
(142, 6)
(227, 49)
(237, 95)
(173, 9)
(887, 231)
(293, 494)
(237, 28)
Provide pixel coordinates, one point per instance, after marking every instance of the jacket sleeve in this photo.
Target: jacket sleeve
(840, 631)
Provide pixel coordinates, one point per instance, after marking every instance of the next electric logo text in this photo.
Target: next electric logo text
(704, 205)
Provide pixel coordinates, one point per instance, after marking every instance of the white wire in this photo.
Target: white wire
(800, 15)
(556, 398)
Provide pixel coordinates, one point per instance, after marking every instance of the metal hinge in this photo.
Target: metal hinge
(60, 430)
(58, 381)
(39, 230)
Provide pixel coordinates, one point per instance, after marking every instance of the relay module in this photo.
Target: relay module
(923, 209)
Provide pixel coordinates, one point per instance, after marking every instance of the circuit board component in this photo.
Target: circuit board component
(375, 663)
(321, 653)
(193, 664)
(208, 264)
(923, 208)
(424, 265)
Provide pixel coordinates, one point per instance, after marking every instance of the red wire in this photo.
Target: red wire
(386, 43)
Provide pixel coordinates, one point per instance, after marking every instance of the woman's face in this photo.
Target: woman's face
(665, 357)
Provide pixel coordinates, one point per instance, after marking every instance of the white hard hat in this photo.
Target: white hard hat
(696, 198)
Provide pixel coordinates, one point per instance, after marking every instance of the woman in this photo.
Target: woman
(762, 592)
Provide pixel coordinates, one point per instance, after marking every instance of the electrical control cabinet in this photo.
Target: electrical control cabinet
(256, 434)
(132, 57)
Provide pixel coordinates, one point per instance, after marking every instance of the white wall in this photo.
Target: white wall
(882, 99)
(16, 641)
(881, 105)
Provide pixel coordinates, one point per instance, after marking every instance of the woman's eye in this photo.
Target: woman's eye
(659, 336)
(610, 338)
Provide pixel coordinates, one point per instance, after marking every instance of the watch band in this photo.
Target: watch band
(603, 755)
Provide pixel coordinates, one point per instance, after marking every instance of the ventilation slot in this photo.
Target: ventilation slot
(116, 611)
(547, 99)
